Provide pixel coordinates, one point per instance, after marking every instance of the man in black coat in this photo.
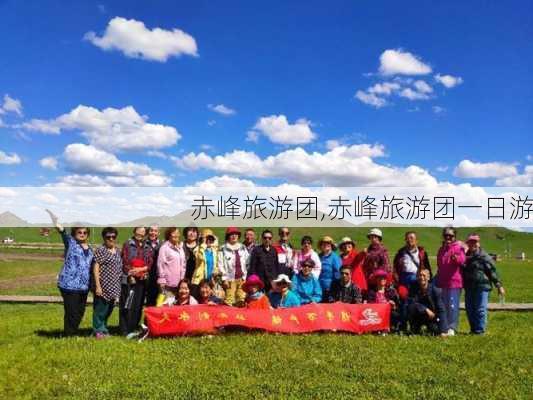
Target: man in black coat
(264, 261)
(344, 290)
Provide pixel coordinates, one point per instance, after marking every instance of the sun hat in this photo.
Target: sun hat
(208, 232)
(327, 239)
(379, 273)
(375, 232)
(233, 229)
(346, 240)
(282, 278)
(472, 238)
(253, 280)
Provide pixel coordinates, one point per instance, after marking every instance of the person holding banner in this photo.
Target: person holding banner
(171, 265)
(344, 290)
(74, 278)
(381, 292)
(282, 296)
(206, 295)
(184, 297)
(233, 259)
(255, 297)
(331, 264)
(305, 285)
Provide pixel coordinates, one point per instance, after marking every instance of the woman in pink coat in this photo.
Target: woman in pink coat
(450, 259)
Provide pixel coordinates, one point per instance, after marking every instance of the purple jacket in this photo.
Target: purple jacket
(449, 269)
(376, 257)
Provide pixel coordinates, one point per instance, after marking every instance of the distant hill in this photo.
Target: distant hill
(8, 219)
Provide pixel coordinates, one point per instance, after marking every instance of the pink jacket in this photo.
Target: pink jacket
(171, 264)
(449, 270)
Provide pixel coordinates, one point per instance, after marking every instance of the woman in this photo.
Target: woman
(233, 260)
(353, 259)
(331, 265)
(450, 259)
(190, 244)
(376, 255)
(206, 295)
(171, 264)
(137, 259)
(206, 259)
(307, 252)
(479, 275)
(184, 297)
(74, 277)
(305, 285)
(381, 292)
(107, 273)
(255, 297)
(282, 296)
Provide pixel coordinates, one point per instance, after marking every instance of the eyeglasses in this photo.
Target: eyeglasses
(449, 236)
(110, 237)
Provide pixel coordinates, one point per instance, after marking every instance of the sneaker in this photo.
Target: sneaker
(132, 335)
(100, 335)
(451, 332)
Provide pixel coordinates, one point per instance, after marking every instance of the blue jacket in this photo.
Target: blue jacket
(307, 289)
(331, 265)
(76, 271)
(290, 300)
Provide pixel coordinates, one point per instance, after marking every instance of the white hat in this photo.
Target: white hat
(375, 232)
(282, 278)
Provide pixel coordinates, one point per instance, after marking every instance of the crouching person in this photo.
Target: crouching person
(382, 292)
(344, 290)
(426, 307)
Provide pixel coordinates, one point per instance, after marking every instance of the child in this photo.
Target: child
(205, 294)
(382, 292)
(184, 294)
(255, 298)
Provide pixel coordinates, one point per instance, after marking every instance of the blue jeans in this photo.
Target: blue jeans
(476, 303)
(451, 298)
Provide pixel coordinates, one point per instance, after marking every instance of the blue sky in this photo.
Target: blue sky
(298, 62)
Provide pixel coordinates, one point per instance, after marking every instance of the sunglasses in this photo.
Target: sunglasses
(110, 237)
(307, 266)
(267, 237)
(449, 236)
(285, 232)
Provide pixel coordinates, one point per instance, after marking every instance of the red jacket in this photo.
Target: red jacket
(355, 260)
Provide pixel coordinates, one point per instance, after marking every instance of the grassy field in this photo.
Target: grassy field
(35, 363)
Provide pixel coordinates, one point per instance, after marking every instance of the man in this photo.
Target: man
(285, 252)
(249, 240)
(409, 260)
(153, 241)
(344, 290)
(426, 306)
(233, 260)
(137, 259)
(264, 260)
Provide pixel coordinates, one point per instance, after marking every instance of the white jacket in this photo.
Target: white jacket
(226, 261)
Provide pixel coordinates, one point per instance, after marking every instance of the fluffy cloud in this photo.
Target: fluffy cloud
(278, 129)
(221, 109)
(371, 99)
(97, 167)
(376, 95)
(9, 159)
(111, 129)
(411, 94)
(448, 80)
(470, 169)
(48, 163)
(11, 105)
(132, 38)
(524, 179)
(341, 166)
(398, 62)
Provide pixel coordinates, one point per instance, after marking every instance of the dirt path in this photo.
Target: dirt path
(29, 257)
(35, 280)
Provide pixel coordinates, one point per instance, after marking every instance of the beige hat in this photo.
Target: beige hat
(346, 240)
(327, 239)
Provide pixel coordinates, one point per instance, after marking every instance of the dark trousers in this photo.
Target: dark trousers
(418, 318)
(131, 306)
(74, 306)
(152, 291)
(102, 310)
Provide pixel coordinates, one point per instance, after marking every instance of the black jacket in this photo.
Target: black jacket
(431, 299)
(264, 264)
(346, 294)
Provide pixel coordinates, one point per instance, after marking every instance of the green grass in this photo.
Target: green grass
(37, 364)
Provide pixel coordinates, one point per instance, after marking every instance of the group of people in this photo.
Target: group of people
(191, 267)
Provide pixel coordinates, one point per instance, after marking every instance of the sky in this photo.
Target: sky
(348, 93)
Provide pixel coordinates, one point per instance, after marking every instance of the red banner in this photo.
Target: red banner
(201, 319)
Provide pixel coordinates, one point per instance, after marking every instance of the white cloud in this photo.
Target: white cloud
(385, 88)
(438, 109)
(422, 87)
(132, 38)
(9, 159)
(11, 105)
(341, 166)
(211, 122)
(47, 198)
(371, 99)
(221, 109)
(111, 129)
(333, 143)
(470, 169)
(49, 163)
(398, 62)
(278, 129)
(448, 81)
(442, 168)
(524, 179)
(411, 94)
(529, 157)
(89, 162)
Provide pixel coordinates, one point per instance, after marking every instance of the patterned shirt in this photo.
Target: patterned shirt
(75, 273)
(110, 271)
